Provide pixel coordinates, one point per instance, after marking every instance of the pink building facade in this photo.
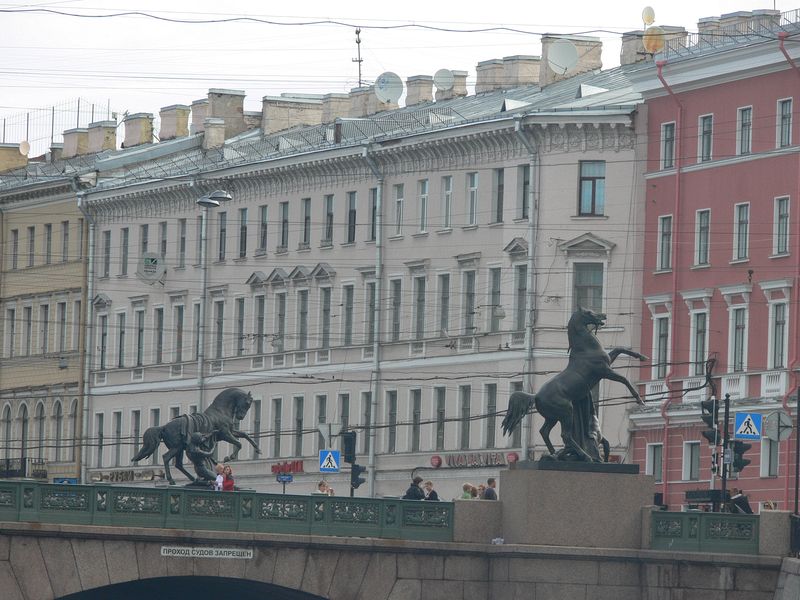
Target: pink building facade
(722, 251)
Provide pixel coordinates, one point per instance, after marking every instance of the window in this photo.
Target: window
(178, 319)
(298, 425)
(262, 229)
(416, 418)
(441, 397)
(366, 408)
(322, 418)
(516, 437)
(369, 318)
(524, 187)
(702, 235)
(592, 188)
(77, 324)
(44, 329)
(159, 336)
(48, 243)
(136, 428)
(784, 124)
(325, 317)
(219, 328)
(116, 423)
(741, 232)
(447, 202)
(667, 145)
(58, 423)
(100, 426)
(31, 245)
(494, 300)
(61, 316)
(664, 243)
(222, 221)
(103, 329)
(653, 464)
(139, 337)
(465, 393)
(520, 297)
(391, 407)
(144, 235)
(660, 346)
(699, 343)
(64, 241)
(302, 319)
(419, 308)
(239, 326)
(691, 461)
(121, 340)
(124, 240)
(373, 213)
(276, 426)
(196, 327)
(284, 226)
(444, 304)
(344, 411)
(769, 457)
(327, 239)
(199, 248)
(469, 302)
(706, 127)
(347, 301)
(351, 217)
(777, 334)
(28, 318)
(587, 290)
(80, 238)
(307, 222)
(40, 429)
(781, 227)
(422, 187)
(472, 198)
(491, 414)
(242, 232)
(398, 208)
(395, 285)
(498, 193)
(106, 268)
(11, 331)
(162, 238)
(278, 343)
(260, 320)
(181, 243)
(738, 340)
(744, 127)
(14, 248)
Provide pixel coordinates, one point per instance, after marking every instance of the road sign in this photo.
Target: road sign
(747, 426)
(329, 461)
(778, 426)
(284, 478)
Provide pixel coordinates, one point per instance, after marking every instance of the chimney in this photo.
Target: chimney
(334, 106)
(419, 89)
(214, 133)
(138, 129)
(589, 50)
(227, 105)
(735, 22)
(359, 98)
(11, 158)
(76, 142)
(56, 152)
(489, 75)
(174, 122)
(459, 89)
(521, 70)
(102, 136)
(252, 119)
(287, 111)
(199, 113)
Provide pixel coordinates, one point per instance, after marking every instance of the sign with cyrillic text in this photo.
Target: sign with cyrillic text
(206, 552)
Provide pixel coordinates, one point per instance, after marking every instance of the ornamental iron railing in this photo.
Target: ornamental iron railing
(186, 508)
(704, 532)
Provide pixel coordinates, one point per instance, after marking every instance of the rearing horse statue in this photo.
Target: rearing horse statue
(567, 398)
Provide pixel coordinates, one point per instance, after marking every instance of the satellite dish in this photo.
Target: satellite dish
(562, 56)
(388, 87)
(648, 15)
(443, 80)
(653, 39)
(24, 148)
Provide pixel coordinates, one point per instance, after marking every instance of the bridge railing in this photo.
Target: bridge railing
(186, 508)
(704, 532)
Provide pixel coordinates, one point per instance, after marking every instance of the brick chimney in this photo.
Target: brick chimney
(459, 89)
(76, 142)
(490, 75)
(138, 129)
(521, 70)
(174, 122)
(56, 152)
(286, 111)
(359, 98)
(419, 89)
(213, 133)
(11, 158)
(199, 113)
(334, 106)
(589, 57)
(227, 105)
(102, 136)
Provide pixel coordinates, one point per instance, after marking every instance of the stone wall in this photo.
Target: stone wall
(789, 580)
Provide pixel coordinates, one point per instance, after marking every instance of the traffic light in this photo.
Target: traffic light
(710, 416)
(739, 461)
(355, 475)
(349, 446)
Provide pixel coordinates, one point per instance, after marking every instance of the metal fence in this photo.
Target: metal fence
(23, 467)
(704, 532)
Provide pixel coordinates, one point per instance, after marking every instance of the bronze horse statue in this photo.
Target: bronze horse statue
(567, 398)
(196, 434)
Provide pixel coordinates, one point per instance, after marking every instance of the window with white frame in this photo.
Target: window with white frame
(660, 346)
(352, 199)
(398, 191)
(667, 145)
(391, 419)
(587, 286)
(744, 130)
(178, 313)
(498, 193)
(691, 461)
(322, 418)
(102, 331)
(465, 414)
(64, 241)
(44, 328)
(702, 237)
(261, 313)
(440, 417)
(139, 317)
(299, 401)
(373, 214)
(395, 289)
(284, 241)
(520, 297)
(737, 340)
(524, 187)
(422, 187)
(27, 313)
(277, 410)
(61, 316)
(698, 343)
(592, 188)
(306, 222)
(239, 316)
(741, 231)
(263, 221)
(325, 317)
(447, 202)
(181, 243)
(366, 411)
(242, 232)
(279, 339)
(121, 326)
(490, 391)
(327, 236)
(664, 258)
(199, 249)
(14, 254)
(162, 238)
(347, 320)
(302, 319)
(369, 318)
(222, 234)
(219, 329)
(653, 462)
(48, 243)
(419, 307)
(783, 135)
(444, 304)
(31, 245)
(158, 336)
(416, 418)
(105, 270)
(769, 457)
(705, 138)
(494, 299)
(777, 334)
(780, 236)
(11, 332)
(472, 198)
(468, 283)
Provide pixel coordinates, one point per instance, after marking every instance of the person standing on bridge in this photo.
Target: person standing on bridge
(414, 492)
(227, 479)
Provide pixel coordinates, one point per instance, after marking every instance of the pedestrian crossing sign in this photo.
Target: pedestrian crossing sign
(329, 461)
(747, 426)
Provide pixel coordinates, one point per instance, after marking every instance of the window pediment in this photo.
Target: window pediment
(517, 248)
(101, 301)
(587, 245)
(418, 266)
(256, 278)
(323, 271)
(299, 275)
(469, 260)
(277, 277)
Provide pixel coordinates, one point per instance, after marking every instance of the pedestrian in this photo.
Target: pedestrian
(481, 490)
(324, 488)
(430, 493)
(414, 492)
(227, 479)
(490, 493)
(220, 477)
(466, 491)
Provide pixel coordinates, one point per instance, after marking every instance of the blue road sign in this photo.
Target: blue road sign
(747, 426)
(284, 477)
(329, 461)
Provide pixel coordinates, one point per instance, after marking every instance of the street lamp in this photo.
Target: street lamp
(212, 200)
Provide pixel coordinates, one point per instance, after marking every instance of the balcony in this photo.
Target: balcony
(773, 384)
(656, 391)
(696, 395)
(734, 384)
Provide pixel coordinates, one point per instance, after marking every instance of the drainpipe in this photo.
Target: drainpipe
(533, 230)
(88, 337)
(376, 344)
(676, 216)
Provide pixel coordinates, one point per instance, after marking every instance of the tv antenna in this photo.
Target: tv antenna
(358, 60)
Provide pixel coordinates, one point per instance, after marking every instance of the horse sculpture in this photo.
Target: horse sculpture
(196, 434)
(567, 398)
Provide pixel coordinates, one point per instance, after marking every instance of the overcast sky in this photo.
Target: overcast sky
(140, 64)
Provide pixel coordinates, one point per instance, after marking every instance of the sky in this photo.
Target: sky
(135, 63)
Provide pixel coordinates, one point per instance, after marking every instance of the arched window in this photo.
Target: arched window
(7, 432)
(72, 439)
(58, 424)
(23, 431)
(40, 429)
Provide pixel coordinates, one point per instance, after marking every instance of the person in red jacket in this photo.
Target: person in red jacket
(227, 481)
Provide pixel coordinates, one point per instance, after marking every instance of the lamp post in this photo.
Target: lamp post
(212, 200)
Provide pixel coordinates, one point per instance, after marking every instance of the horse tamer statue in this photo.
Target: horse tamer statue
(567, 398)
(197, 434)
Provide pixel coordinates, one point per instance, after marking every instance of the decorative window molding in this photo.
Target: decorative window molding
(469, 260)
(587, 245)
(256, 279)
(774, 287)
(653, 302)
(702, 295)
(323, 272)
(729, 292)
(517, 248)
